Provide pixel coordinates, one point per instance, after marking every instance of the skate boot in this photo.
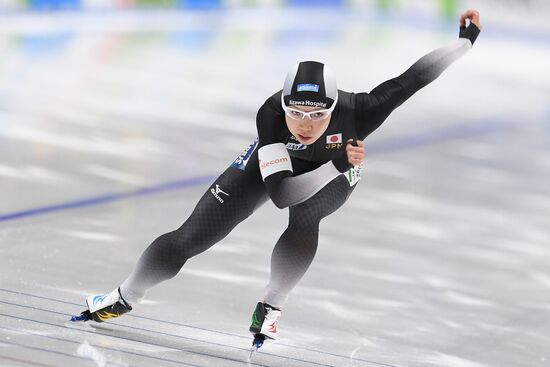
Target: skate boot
(264, 323)
(104, 307)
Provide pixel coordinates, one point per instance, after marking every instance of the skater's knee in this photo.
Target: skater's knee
(187, 242)
(305, 216)
(171, 245)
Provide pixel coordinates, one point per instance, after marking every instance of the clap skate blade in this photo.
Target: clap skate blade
(256, 344)
(84, 316)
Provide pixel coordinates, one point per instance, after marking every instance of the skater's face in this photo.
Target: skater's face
(307, 129)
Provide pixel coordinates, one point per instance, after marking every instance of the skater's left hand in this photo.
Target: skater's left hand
(356, 153)
(472, 15)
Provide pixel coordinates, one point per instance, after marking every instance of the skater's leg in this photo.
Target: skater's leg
(296, 247)
(228, 201)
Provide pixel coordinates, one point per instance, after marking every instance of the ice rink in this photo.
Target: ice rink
(113, 124)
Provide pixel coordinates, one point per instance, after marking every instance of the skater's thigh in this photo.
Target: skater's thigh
(242, 185)
(233, 196)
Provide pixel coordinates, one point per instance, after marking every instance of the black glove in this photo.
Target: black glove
(470, 32)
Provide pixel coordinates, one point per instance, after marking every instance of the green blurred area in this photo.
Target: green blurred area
(449, 9)
(386, 5)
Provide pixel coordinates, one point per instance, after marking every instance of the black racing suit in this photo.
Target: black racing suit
(320, 182)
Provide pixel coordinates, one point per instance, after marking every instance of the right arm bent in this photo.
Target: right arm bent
(276, 165)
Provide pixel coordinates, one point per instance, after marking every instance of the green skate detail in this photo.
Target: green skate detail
(255, 321)
(257, 318)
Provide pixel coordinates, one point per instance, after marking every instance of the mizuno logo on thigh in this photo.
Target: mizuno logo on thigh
(217, 191)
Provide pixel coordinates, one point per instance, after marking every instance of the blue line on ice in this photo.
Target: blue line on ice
(109, 198)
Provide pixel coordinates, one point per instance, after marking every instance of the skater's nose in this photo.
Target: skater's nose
(306, 126)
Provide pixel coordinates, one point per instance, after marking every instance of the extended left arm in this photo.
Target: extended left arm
(429, 67)
(374, 107)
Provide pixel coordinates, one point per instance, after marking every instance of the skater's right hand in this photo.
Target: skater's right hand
(356, 153)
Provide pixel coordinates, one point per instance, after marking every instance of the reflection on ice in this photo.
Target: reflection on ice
(87, 351)
(340, 311)
(387, 277)
(225, 276)
(541, 279)
(466, 300)
(450, 323)
(91, 236)
(444, 360)
(438, 282)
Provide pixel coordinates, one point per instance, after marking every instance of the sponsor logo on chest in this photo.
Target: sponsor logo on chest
(295, 146)
(334, 141)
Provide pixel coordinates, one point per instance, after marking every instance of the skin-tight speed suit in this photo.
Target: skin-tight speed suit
(319, 181)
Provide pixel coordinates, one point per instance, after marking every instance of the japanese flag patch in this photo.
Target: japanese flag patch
(334, 138)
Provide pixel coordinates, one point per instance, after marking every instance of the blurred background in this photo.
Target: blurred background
(115, 116)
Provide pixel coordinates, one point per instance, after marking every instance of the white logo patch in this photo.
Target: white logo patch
(296, 146)
(217, 193)
(307, 88)
(354, 174)
(273, 158)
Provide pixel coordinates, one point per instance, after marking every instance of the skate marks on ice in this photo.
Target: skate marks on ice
(35, 331)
